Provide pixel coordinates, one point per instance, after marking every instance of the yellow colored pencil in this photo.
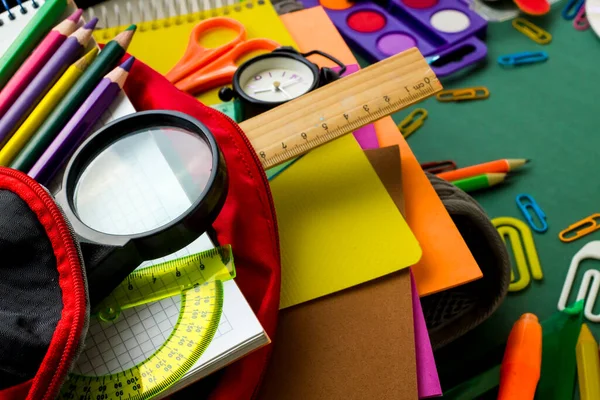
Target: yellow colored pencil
(45, 106)
(588, 365)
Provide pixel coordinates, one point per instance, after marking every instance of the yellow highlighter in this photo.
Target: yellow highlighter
(588, 365)
(12, 148)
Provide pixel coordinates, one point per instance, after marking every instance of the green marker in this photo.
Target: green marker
(42, 22)
(479, 182)
(104, 63)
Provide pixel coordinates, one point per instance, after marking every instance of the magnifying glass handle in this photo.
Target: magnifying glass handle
(106, 268)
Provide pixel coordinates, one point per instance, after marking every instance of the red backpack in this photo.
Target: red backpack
(38, 248)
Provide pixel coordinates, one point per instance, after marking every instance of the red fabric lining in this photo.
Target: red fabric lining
(52, 359)
(247, 220)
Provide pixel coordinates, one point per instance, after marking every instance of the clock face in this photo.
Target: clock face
(276, 79)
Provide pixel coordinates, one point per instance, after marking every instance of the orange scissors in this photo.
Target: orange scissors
(203, 68)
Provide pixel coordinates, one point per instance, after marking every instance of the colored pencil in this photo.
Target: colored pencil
(43, 109)
(34, 63)
(588, 365)
(104, 63)
(66, 54)
(498, 166)
(41, 23)
(81, 124)
(479, 182)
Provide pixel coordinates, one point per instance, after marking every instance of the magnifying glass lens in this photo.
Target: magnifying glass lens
(143, 181)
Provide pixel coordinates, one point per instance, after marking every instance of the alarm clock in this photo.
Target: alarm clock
(271, 79)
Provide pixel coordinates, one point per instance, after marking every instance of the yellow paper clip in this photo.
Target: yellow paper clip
(532, 31)
(523, 247)
(580, 228)
(474, 93)
(412, 122)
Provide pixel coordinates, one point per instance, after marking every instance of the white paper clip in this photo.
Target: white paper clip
(590, 282)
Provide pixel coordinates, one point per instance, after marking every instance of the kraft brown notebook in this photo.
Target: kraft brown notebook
(354, 344)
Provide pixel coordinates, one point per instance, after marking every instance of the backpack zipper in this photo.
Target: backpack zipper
(75, 260)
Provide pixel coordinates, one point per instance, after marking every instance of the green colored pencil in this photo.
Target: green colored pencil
(104, 63)
(41, 23)
(479, 182)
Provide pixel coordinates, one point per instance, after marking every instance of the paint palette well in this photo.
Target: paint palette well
(446, 28)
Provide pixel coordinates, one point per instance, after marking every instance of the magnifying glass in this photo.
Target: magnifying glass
(140, 188)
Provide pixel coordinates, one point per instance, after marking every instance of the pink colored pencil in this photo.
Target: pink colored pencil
(37, 60)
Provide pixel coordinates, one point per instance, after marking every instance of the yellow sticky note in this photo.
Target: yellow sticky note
(161, 43)
(338, 226)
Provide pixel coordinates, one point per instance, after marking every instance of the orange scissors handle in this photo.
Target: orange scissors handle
(221, 71)
(196, 56)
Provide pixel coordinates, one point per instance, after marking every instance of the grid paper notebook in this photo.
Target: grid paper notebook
(138, 332)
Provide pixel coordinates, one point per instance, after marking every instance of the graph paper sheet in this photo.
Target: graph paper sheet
(138, 332)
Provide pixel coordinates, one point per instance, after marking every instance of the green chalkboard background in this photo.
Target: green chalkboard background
(549, 113)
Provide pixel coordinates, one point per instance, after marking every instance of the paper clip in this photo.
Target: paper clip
(572, 9)
(412, 122)
(523, 247)
(590, 281)
(532, 31)
(437, 167)
(526, 57)
(526, 203)
(580, 228)
(474, 93)
(581, 22)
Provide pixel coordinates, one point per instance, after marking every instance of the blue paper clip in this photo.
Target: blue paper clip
(526, 202)
(571, 9)
(526, 57)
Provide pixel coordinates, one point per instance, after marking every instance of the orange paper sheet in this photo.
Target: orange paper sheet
(446, 261)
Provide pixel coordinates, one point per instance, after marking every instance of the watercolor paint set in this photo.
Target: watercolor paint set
(447, 29)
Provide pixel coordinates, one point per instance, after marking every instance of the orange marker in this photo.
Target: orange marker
(522, 363)
(496, 167)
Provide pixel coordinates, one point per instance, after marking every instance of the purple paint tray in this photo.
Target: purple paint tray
(445, 28)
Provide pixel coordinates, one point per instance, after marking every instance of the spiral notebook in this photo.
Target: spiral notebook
(13, 21)
(164, 27)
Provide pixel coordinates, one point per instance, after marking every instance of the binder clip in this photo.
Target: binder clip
(526, 57)
(524, 251)
(437, 167)
(590, 283)
(474, 93)
(529, 208)
(580, 228)
(412, 122)
(532, 31)
(572, 9)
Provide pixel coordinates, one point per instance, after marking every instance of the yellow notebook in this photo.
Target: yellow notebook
(161, 43)
(338, 226)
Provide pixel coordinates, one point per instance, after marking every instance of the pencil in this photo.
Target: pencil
(479, 182)
(80, 125)
(43, 109)
(36, 60)
(588, 365)
(66, 54)
(498, 166)
(106, 61)
(41, 23)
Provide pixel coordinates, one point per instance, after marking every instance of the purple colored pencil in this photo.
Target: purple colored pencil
(66, 54)
(81, 124)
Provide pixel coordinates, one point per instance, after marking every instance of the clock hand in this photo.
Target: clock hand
(284, 92)
(290, 83)
(263, 90)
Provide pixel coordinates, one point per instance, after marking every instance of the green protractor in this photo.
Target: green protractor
(199, 280)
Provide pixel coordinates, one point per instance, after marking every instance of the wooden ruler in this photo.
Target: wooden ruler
(341, 107)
